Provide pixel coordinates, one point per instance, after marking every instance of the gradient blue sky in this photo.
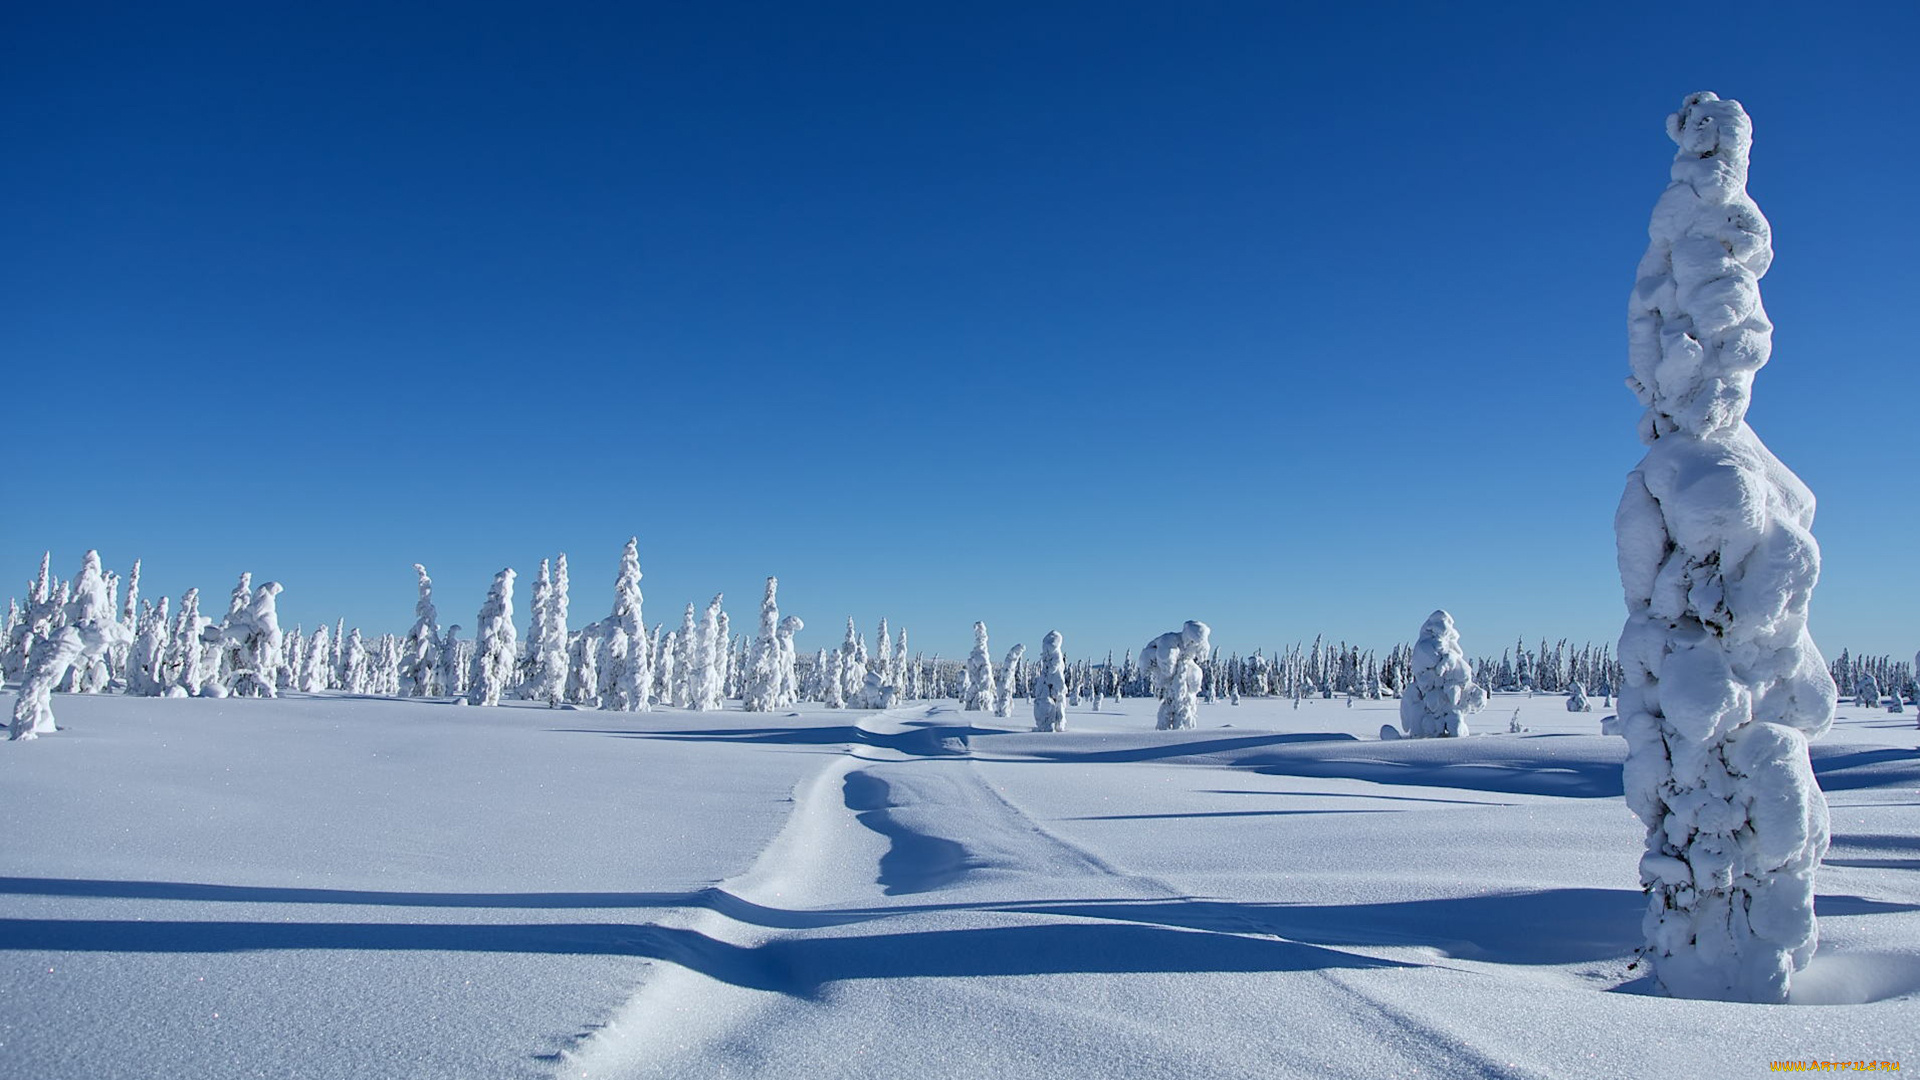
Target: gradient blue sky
(1088, 316)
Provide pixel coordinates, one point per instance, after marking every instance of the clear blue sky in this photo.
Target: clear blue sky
(1089, 316)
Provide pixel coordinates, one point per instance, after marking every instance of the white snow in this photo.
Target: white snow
(329, 887)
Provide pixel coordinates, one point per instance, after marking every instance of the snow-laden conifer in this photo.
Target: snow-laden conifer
(979, 688)
(147, 660)
(705, 685)
(1866, 692)
(1172, 663)
(455, 662)
(250, 642)
(1009, 678)
(313, 668)
(1050, 689)
(1577, 699)
(1442, 692)
(764, 656)
(852, 664)
(419, 654)
(89, 627)
(1723, 685)
(626, 658)
(494, 645)
(356, 668)
(546, 653)
(787, 679)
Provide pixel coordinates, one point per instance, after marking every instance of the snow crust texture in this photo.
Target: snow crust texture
(1723, 684)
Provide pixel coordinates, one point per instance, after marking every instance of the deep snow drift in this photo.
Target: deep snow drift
(323, 886)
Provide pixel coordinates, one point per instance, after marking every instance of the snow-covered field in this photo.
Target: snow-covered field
(331, 886)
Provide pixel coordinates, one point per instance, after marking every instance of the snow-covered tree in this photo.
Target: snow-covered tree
(980, 688)
(583, 669)
(35, 624)
(313, 672)
(184, 669)
(494, 651)
(455, 661)
(1050, 690)
(832, 690)
(685, 647)
(1172, 663)
(1441, 693)
(626, 660)
(763, 657)
(852, 665)
(1577, 699)
(1723, 685)
(1866, 692)
(90, 627)
(786, 674)
(356, 674)
(146, 661)
(419, 655)
(546, 653)
(707, 685)
(251, 642)
(1009, 678)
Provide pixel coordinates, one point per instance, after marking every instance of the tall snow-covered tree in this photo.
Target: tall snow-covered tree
(313, 670)
(546, 659)
(1172, 663)
(455, 662)
(419, 654)
(146, 661)
(685, 649)
(852, 665)
(494, 646)
(356, 674)
(763, 658)
(626, 669)
(1009, 678)
(90, 628)
(980, 685)
(1723, 685)
(786, 674)
(1442, 692)
(251, 641)
(706, 686)
(1050, 689)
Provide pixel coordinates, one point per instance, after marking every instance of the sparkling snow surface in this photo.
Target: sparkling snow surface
(327, 886)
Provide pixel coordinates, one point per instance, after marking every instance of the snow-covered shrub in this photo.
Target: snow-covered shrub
(89, 627)
(1577, 699)
(494, 644)
(979, 689)
(1723, 685)
(419, 654)
(1441, 691)
(1172, 663)
(1050, 690)
(1009, 678)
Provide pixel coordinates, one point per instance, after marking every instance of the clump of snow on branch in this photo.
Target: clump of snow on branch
(1173, 662)
(1442, 692)
(1723, 685)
